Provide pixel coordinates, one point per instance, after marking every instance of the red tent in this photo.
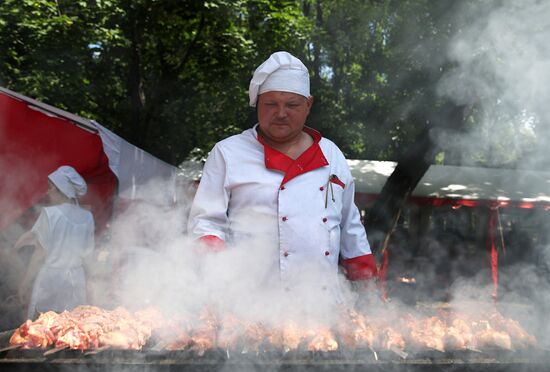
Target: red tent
(36, 138)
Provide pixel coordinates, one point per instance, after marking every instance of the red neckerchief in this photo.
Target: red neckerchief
(310, 159)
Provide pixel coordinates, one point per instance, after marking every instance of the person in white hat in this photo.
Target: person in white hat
(283, 188)
(63, 236)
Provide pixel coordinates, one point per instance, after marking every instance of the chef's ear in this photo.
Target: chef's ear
(309, 102)
(257, 116)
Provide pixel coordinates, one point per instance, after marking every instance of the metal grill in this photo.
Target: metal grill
(214, 360)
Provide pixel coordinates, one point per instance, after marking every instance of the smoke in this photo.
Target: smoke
(151, 262)
(14, 221)
(501, 70)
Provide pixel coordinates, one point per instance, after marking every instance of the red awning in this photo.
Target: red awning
(367, 198)
(32, 145)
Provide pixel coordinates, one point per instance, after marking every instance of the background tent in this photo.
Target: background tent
(494, 197)
(36, 138)
(458, 185)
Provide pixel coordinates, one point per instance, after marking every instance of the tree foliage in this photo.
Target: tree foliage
(172, 76)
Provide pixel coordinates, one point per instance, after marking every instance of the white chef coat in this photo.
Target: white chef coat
(305, 223)
(66, 232)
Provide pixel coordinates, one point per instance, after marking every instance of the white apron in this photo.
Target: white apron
(66, 232)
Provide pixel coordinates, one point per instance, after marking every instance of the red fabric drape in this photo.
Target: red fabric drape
(493, 250)
(493, 206)
(32, 145)
(367, 198)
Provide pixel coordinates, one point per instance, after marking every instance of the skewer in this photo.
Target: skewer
(399, 352)
(11, 347)
(469, 348)
(55, 350)
(98, 350)
(199, 350)
(374, 353)
(160, 345)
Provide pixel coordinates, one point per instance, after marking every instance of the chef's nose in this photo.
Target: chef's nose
(281, 111)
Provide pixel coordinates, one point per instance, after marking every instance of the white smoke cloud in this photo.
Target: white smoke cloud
(502, 67)
(152, 263)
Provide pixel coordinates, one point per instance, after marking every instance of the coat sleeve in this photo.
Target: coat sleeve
(357, 258)
(42, 231)
(208, 215)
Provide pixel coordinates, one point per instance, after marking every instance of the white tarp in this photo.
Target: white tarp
(140, 174)
(458, 182)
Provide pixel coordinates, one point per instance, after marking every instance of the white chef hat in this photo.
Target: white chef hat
(68, 181)
(280, 72)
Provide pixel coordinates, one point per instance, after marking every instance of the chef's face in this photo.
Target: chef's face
(53, 195)
(282, 115)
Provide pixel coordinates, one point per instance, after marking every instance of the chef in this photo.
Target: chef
(63, 236)
(282, 188)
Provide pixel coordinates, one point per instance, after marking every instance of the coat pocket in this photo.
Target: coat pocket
(336, 181)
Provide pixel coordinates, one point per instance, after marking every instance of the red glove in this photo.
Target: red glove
(212, 243)
(360, 268)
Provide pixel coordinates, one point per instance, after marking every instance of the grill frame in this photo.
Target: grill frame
(152, 360)
(214, 360)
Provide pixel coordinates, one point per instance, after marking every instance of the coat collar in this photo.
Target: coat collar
(309, 160)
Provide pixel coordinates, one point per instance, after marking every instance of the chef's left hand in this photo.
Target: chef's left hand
(212, 243)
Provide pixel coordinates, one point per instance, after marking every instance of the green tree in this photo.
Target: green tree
(46, 50)
(172, 76)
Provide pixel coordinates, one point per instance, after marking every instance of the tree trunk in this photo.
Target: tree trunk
(135, 90)
(317, 47)
(411, 167)
(134, 83)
